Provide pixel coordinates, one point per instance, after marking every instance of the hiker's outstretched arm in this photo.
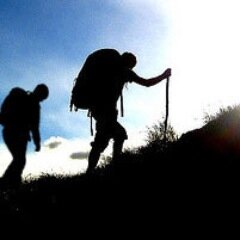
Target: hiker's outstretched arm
(152, 81)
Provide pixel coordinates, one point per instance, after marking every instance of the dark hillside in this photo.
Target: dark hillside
(182, 186)
(213, 149)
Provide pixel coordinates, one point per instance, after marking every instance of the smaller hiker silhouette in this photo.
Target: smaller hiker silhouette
(20, 117)
(107, 71)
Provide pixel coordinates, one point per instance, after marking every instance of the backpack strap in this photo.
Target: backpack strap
(89, 114)
(121, 105)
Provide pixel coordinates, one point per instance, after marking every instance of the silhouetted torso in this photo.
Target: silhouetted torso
(106, 70)
(20, 111)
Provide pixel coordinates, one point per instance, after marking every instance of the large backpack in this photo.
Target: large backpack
(14, 110)
(94, 79)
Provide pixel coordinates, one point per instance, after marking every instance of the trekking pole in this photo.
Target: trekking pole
(167, 110)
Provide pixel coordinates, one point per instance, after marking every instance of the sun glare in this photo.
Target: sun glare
(205, 53)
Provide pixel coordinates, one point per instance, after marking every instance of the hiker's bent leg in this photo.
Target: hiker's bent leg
(120, 135)
(98, 146)
(106, 126)
(93, 158)
(117, 149)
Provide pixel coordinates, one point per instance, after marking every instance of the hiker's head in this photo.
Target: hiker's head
(129, 60)
(41, 92)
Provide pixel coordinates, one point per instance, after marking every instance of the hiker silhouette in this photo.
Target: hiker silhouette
(20, 117)
(108, 70)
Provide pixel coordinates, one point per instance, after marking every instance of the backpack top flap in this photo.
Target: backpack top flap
(95, 78)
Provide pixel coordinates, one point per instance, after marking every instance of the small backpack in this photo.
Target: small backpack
(14, 110)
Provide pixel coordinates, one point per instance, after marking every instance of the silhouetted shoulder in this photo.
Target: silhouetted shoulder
(14, 108)
(129, 75)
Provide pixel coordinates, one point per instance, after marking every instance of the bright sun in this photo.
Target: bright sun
(205, 54)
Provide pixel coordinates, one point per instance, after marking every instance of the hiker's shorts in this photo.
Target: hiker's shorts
(108, 127)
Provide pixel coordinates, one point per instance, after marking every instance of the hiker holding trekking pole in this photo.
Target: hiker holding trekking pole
(98, 87)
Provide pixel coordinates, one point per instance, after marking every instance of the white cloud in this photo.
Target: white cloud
(51, 160)
(58, 160)
(69, 157)
(79, 155)
(62, 156)
(53, 142)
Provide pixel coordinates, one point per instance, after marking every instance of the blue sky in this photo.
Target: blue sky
(48, 40)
